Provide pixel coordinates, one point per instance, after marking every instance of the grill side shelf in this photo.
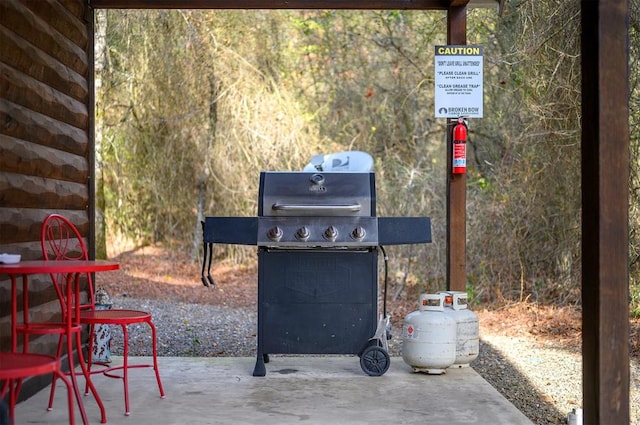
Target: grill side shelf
(404, 230)
(231, 230)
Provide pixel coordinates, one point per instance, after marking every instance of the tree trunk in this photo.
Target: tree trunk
(202, 186)
(100, 66)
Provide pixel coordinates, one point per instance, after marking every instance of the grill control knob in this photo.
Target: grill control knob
(358, 233)
(303, 233)
(331, 233)
(275, 234)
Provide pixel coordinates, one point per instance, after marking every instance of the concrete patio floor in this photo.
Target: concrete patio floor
(299, 389)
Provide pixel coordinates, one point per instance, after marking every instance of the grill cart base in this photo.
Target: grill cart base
(315, 302)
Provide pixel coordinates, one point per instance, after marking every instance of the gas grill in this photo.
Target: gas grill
(318, 239)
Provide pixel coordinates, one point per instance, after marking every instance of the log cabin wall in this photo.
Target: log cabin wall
(46, 152)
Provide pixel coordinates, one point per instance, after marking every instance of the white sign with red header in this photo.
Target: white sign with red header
(458, 81)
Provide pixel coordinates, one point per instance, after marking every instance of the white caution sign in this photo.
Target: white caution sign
(458, 81)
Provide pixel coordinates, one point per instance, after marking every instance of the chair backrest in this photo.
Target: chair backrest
(61, 240)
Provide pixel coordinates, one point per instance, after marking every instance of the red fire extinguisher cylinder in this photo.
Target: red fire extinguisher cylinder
(459, 147)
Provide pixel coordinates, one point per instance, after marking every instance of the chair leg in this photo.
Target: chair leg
(72, 373)
(85, 373)
(89, 359)
(125, 368)
(155, 358)
(55, 376)
(64, 379)
(5, 387)
(9, 386)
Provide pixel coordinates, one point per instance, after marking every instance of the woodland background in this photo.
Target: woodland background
(192, 105)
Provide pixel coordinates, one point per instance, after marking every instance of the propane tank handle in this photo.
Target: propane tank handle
(432, 302)
(459, 301)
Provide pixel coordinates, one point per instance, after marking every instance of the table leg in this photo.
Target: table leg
(16, 385)
(70, 340)
(14, 314)
(25, 311)
(8, 385)
(73, 292)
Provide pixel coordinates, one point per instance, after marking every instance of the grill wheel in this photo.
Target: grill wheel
(374, 359)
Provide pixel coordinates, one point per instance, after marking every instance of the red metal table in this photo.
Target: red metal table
(73, 269)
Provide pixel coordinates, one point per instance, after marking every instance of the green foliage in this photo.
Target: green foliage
(525, 215)
(208, 99)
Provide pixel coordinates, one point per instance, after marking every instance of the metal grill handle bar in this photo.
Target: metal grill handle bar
(317, 208)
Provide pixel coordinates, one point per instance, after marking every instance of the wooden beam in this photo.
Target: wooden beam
(272, 4)
(290, 4)
(605, 233)
(456, 183)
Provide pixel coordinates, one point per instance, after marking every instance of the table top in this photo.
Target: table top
(63, 266)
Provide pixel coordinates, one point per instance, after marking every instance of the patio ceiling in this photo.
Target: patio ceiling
(295, 4)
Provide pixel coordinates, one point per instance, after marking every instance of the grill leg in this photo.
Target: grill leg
(259, 369)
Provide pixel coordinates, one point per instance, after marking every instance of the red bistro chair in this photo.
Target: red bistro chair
(16, 366)
(61, 241)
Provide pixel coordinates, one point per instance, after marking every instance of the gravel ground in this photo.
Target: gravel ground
(539, 377)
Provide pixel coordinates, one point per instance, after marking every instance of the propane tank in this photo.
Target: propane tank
(429, 336)
(467, 327)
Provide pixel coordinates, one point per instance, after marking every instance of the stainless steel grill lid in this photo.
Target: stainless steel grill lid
(315, 209)
(285, 194)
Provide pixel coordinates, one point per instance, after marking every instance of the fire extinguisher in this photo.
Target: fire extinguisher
(460, 147)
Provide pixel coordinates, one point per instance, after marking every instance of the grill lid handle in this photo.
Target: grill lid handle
(317, 208)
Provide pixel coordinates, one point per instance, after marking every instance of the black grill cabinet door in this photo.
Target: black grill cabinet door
(316, 302)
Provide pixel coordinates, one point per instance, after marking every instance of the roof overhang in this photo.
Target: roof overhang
(295, 4)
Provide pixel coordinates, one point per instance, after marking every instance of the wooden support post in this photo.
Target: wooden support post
(456, 184)
(605, 233)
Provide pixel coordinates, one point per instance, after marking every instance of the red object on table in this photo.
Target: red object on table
(62, 241)
(68, 327)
